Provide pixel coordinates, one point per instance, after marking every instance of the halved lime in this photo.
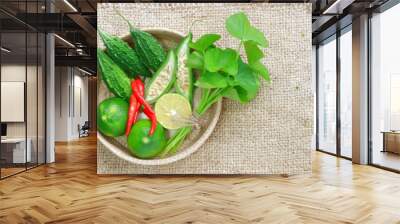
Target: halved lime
(173, 111)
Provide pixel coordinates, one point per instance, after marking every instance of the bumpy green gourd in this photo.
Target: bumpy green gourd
(113, 76)
(124, 56)
(148, 49)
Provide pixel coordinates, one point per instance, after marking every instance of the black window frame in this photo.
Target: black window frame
(30, 29)
(381, 9)
(334, 37)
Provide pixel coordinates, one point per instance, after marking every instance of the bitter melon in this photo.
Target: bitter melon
(184, 76)
(113, 76)
(148, 49)
(124, 56)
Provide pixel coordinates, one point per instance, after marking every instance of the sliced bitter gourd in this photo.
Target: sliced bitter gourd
(124, 56)
(163, 79)
(184, 76)
(148, 49)
(113, 76)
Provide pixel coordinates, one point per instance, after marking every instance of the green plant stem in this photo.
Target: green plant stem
(203, 99)
(122, 16)
(185, 132)
(208, 98)
(207, 102)
(238, 50)
(193, 23)
(176, 141)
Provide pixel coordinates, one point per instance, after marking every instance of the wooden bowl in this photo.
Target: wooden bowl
(169, 39)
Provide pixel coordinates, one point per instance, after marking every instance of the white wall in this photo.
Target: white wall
(360, 89)
(61, 103)
(12, 73)
(80, 84)
(34, 125)
(70, 81)
(16, 73)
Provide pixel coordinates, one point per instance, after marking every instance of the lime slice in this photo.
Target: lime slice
(173, 111)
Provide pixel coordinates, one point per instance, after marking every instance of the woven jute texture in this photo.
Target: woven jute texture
(270, 135)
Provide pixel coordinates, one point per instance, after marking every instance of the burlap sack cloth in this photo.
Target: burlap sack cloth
(270, 135)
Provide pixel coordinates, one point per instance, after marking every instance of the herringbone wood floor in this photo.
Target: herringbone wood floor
(69, 191)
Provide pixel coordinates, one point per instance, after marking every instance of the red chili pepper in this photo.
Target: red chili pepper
(133, 108)
(147, 108)
(139, 84)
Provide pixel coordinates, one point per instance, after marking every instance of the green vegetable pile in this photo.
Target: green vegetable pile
(221, 73)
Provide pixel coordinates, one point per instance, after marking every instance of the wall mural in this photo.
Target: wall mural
(204, 89)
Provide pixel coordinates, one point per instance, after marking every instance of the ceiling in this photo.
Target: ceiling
(76, 21)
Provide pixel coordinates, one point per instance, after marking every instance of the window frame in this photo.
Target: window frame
(334, 37)
(381, 9)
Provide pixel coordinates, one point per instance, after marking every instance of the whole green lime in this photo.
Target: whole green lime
(112, 115)
(141, 144)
